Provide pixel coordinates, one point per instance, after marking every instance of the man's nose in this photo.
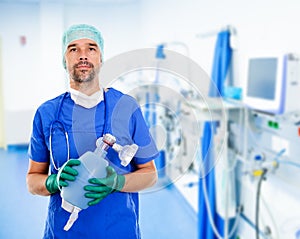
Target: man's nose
(83, 58)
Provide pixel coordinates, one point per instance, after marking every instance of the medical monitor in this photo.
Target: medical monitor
(264, 81)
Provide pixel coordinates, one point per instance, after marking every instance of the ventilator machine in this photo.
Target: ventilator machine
(245, 182)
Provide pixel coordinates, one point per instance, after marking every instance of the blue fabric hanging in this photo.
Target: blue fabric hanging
(221, 64)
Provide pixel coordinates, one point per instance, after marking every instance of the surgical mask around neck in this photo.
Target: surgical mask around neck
(86, 101)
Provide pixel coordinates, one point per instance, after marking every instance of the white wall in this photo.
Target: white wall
(263, 27)
(19, 63)
(33, 73)
(2, 138)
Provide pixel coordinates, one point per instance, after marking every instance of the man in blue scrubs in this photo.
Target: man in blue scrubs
(66, 127)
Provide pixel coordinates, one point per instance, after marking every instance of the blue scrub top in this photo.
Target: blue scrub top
(117, 215)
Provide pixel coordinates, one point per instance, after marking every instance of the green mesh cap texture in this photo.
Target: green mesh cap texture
(81, 31)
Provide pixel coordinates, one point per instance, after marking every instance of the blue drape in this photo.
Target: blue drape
(222, 60)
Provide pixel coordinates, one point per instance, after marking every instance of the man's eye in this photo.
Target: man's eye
(92, 49)
(72, 49)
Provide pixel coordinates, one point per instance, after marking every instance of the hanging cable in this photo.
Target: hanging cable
(209, 212)
(262, 177)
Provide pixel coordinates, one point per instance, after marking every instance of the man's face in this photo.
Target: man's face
(83, 59)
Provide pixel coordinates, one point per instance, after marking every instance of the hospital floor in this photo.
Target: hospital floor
(164, 213)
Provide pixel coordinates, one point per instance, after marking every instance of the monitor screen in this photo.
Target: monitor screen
(262, 78)
(264, 83)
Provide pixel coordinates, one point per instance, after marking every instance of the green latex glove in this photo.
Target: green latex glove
(65, 173)
(104, 186)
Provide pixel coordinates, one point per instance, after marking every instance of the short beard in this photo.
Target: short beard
(80, 76)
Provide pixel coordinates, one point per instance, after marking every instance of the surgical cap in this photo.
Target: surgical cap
(81, 31)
